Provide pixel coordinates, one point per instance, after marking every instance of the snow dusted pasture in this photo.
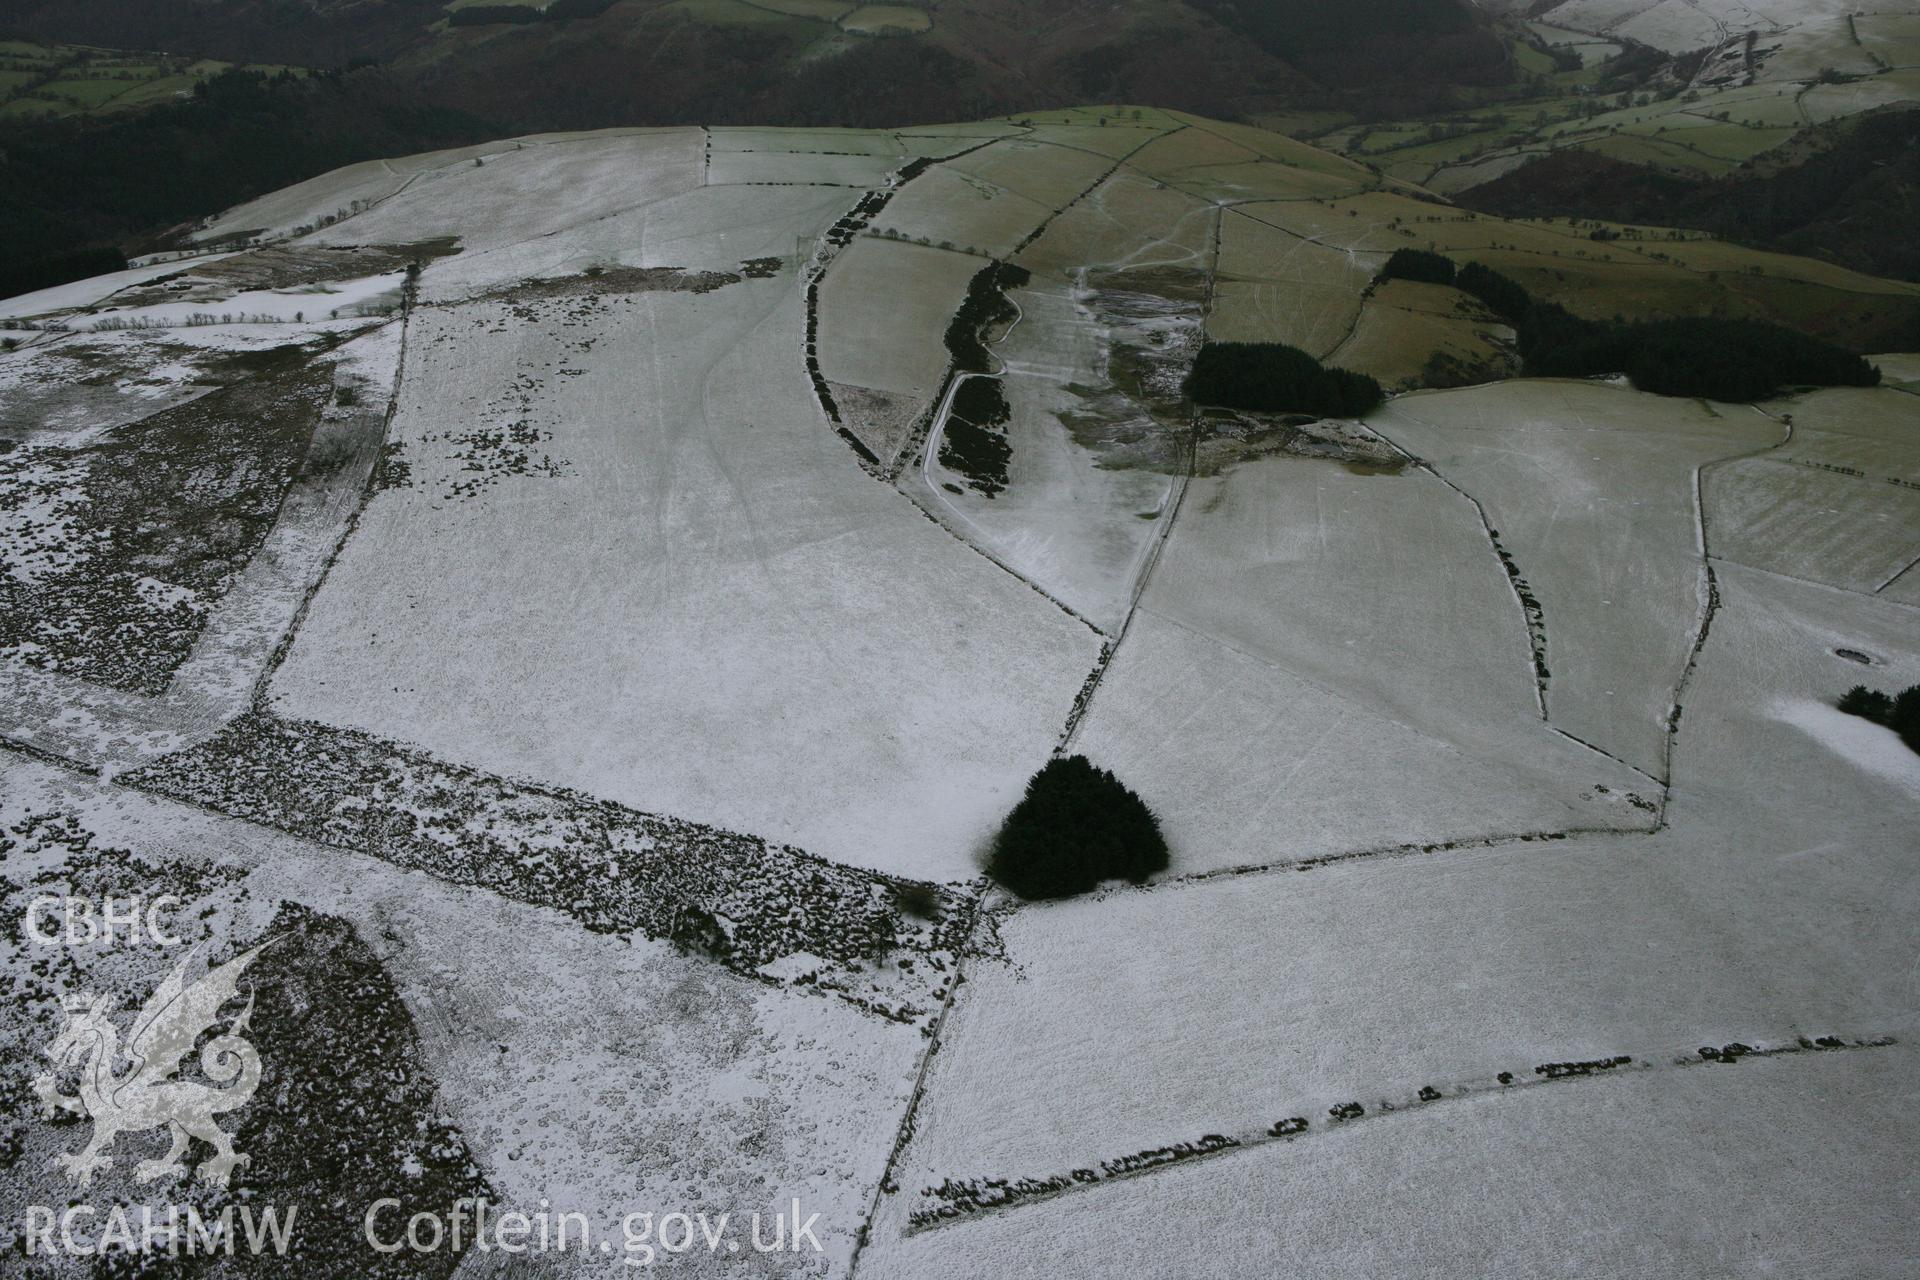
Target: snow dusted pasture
(1383, 587)
(305, 204)
(715, 229)
(1297, 685)
(80, 294)
(1360, 226)
(823, 142)
(1146, 1018)
(1655, 1173)
(333, 300)
(1248, 764)
(1678, 26)
(604, 1074)
(534, 190)
(1404, 325)
(1068, 521)
(895, 346)
(861, 171)
(1255, 247)
(681, 552)
(1046, 174)
(1506, 825)
(946, 207)
(1826, 102)
(1216, 162)
(1899, 369)
(1127, 222)
(1813, 524)
(1314, 319)
(1591, 489)
(1838, 503)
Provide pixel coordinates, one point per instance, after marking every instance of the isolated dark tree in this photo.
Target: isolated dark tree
(917, 898)
(1076, 826)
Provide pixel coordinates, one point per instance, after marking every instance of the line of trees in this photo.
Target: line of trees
(1271, 377)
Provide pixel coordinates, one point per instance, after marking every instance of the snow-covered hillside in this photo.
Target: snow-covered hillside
(561, 582)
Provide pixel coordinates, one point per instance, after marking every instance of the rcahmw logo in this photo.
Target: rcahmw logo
(81, 1231)
(145, 1096)
(131, 1087)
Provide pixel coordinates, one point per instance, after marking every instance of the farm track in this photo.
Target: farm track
(826, 252)
(927, 450)
(1084, 699)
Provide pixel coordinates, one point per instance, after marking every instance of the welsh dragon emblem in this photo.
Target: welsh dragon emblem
(144, 1096)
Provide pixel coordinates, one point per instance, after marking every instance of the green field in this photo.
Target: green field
(1702, 130)
(44, 81)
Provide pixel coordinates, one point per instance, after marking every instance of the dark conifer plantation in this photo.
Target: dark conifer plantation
(1076, 826)
(1275, 378)
(1899, 712)
(1418, 265)
(1718, 359)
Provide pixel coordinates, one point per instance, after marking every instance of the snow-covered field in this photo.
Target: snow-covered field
(679, 550)
(1591, 490)
(1680, 25)
(586, 664)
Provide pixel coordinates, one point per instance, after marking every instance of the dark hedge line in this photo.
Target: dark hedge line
(1275, 378)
